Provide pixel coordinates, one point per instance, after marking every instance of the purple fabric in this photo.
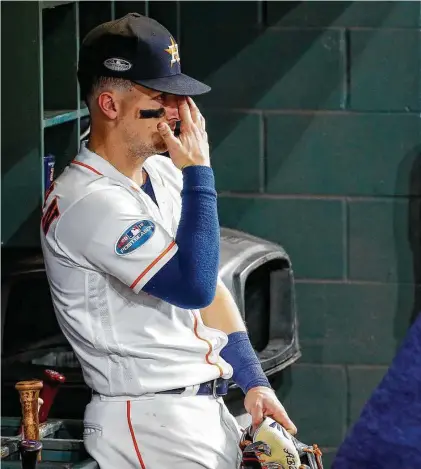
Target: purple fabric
(388, 433)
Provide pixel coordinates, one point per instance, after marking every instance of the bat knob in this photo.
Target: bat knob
(53, 375)
(30, 386)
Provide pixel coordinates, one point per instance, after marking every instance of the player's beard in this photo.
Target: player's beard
(142, 149)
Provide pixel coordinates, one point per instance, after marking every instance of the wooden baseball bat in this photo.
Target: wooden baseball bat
(29, 394)
(30, 451)
(40, 403)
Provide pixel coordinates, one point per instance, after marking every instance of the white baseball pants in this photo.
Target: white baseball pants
(162, 431)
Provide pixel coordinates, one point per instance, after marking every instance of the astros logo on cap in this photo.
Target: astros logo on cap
(173, 50)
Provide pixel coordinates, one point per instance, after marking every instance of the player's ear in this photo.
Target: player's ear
(108, 104)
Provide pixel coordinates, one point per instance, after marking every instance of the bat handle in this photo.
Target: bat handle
(29, 451)
(40, 403)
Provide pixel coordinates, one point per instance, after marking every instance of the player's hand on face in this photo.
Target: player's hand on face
(191, 147)
(262, 402)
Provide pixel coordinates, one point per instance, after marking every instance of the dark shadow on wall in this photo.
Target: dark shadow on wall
(242, 59)
(261, 76)
(410, 165)
(222, 44)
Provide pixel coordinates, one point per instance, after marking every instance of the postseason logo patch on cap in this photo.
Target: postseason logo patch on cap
(117, 64)
(136, 235)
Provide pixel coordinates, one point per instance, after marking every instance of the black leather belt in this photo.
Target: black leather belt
(216, 387)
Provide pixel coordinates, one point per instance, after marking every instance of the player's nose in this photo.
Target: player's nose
(171, 108)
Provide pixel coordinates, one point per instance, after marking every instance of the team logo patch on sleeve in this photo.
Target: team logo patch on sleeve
(132, 238)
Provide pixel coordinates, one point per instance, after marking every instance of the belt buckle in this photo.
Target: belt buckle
(214, 388)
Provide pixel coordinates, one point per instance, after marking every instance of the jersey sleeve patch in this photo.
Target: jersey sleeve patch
(134, 237)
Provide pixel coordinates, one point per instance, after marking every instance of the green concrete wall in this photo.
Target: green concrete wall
(314, 121)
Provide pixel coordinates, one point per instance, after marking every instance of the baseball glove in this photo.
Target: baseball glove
(270, 446)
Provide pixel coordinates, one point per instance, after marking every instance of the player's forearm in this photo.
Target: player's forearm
(198, 235)
(223, 313)
(189, 278)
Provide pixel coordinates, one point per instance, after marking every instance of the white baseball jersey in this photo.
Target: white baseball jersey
(103, 238)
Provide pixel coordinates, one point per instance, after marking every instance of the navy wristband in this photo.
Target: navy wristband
(239, 353)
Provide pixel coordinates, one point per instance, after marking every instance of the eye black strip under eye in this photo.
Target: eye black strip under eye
(152, 113)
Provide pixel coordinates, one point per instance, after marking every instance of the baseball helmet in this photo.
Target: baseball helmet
(270, 446)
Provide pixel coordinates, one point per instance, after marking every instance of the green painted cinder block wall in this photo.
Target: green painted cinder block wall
(314, 122)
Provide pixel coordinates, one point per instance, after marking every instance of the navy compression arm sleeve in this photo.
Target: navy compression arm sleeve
(189, 278)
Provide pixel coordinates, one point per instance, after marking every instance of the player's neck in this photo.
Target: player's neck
(118, 156)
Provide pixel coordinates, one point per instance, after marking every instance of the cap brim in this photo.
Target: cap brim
(181, 85)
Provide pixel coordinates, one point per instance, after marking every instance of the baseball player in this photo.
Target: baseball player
(131, 245)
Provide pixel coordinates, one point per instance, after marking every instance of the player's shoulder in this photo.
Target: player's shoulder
(77, 196)
(73, 185)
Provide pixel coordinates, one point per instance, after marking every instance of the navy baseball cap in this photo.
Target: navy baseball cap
(139, 49)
